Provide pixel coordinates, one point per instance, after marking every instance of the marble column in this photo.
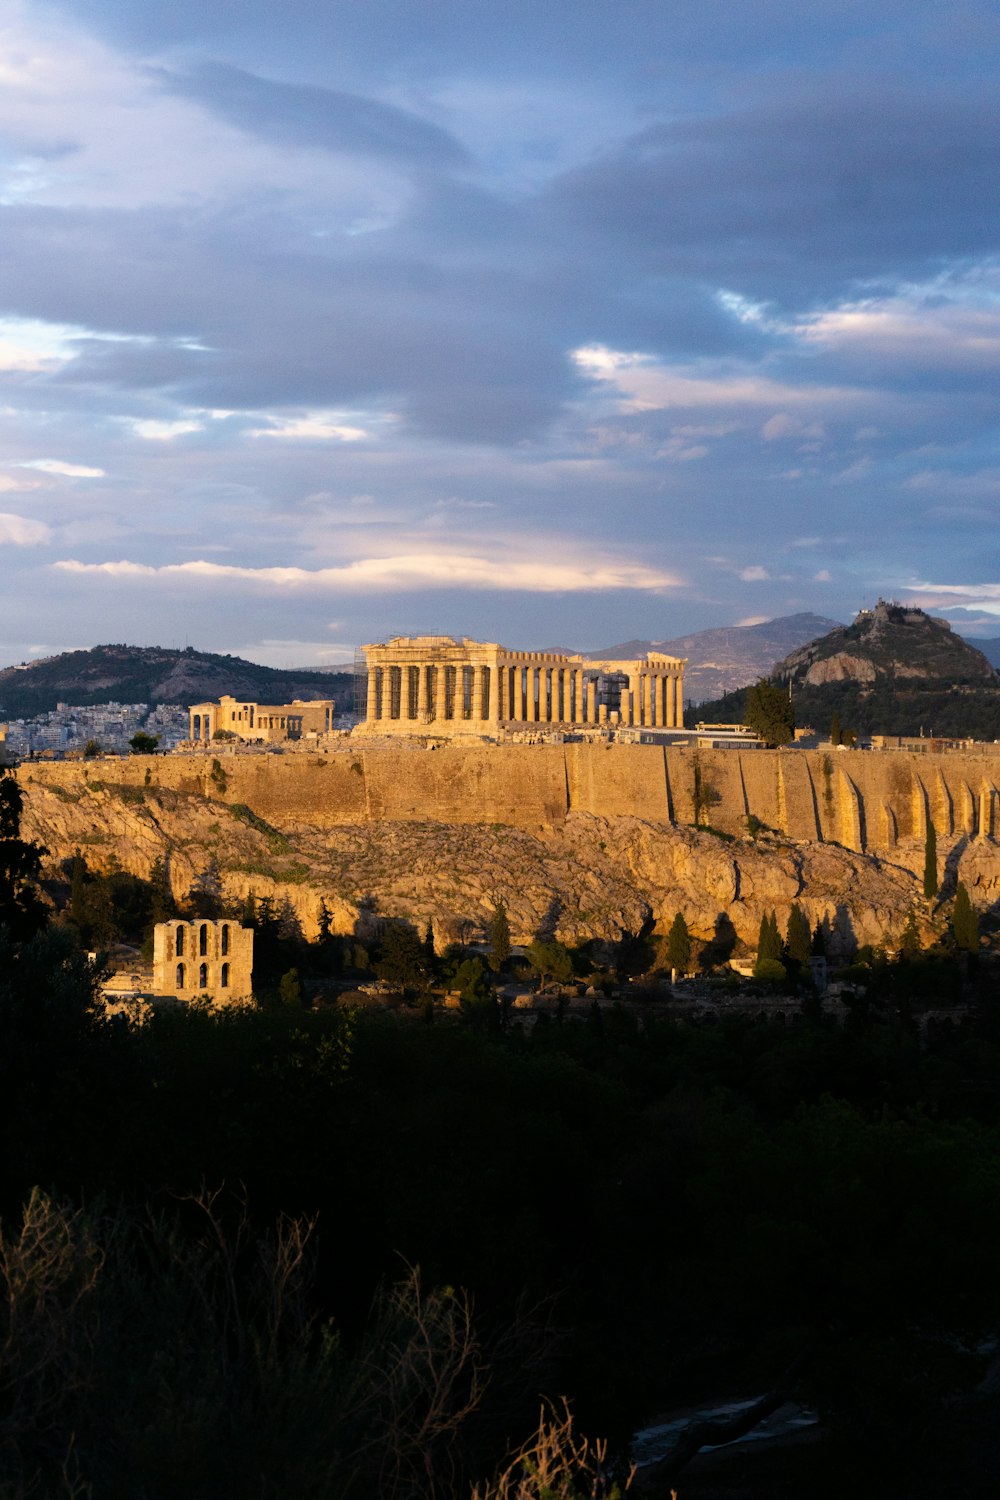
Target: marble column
(592, 701)
(422, 693)
(531, 715)
(372, 699)
(579, 709)
(650, 700)
(481, 693)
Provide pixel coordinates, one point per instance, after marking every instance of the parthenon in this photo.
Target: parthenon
(437, 685)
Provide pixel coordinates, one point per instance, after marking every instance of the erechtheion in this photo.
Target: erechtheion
(436, 685)
(269, 723)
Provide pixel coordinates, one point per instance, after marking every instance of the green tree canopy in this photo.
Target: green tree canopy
(143, 744)
(551, 960)
(769, 713)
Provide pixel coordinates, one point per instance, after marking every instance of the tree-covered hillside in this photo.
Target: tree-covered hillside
(156, 674)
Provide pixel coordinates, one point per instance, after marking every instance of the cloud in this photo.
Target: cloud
(307, 115)
(56, 466)
(313, 426)
(755, 574)
(785, 199)
(648, 385)
(19, 531)
(405, 573)
(161, 432)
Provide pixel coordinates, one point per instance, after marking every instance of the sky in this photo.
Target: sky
(557, 323)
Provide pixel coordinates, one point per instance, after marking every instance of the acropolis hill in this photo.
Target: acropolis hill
(598, 837)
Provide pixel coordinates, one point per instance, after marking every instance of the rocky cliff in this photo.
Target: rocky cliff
(595, 868)
(890, 641)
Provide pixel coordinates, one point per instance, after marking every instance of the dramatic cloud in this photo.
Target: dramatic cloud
(506, 320)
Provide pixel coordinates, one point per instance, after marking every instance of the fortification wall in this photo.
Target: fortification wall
(866, 801)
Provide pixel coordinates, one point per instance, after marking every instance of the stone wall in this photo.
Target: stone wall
(866, 801)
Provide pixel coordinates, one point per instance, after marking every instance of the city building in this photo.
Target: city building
(436, 685)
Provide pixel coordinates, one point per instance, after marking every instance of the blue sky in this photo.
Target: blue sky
(556, 323)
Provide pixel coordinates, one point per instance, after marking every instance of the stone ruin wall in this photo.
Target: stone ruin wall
(873, 802)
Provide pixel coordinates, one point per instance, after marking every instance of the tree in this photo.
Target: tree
(499, 937)
(290, 988)
(964, 921)
(769, 713)
(550, 960)
(909, 943)
(143, 744)
(679, 944)
(836, 736)
(401, 954)
(92, 749)
(162, 903)
(931, 884)
(205, 895)
(797, 936)
(21, 908)
(768, 948)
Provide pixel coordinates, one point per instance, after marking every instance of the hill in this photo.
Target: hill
(730, 656)
(894, 670)
(154, 674)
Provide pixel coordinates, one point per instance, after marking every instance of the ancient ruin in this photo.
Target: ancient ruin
(263, 723)
(202, 957)
(436, 685)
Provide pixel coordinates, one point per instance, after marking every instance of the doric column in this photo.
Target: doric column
(592, 701)
(372, 701)
(579, 709)
(530, 694)
(676, 709)
(650, 685)
(480, 693)
(422, 693)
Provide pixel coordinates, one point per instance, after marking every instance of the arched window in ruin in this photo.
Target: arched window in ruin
(203, 976)
(203, 938)
(179, 942)
(225, 937)
(224, 978)
(180, 976)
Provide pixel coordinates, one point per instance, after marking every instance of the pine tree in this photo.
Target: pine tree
(931, 884)
(679, 944)
(797, 936)
(964, 921)
(324, 933)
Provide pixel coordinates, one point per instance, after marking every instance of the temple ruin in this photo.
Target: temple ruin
(260, 723)
(436, 685)
(202, 957)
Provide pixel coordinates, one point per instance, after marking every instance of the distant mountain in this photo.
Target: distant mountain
(731, 656)
(154, 674)
(889, 642)
(895, 670)
(990, 649)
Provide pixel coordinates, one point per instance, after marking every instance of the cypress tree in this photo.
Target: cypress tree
(931, 884)
(964, 921)
(835, 730)
(679, 944)
(797, 937)
(499, 937)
